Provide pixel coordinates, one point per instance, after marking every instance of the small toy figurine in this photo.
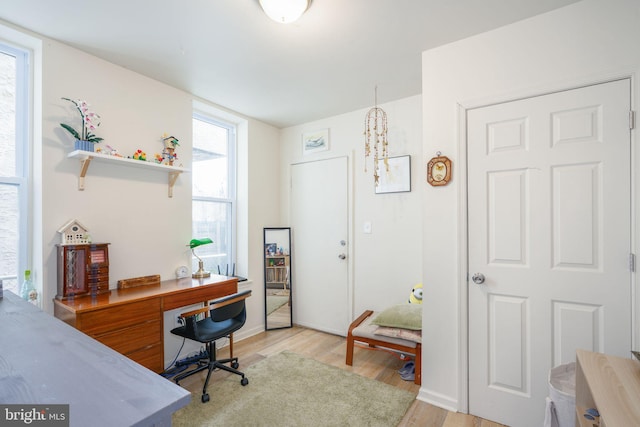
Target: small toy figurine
(140, 155)
(169, 151)
(113, 152)
(158, 158)
(415, 297)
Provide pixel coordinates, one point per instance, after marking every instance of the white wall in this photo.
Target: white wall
(126, 206)
(122, 205)
(386, 264)
(587, 42)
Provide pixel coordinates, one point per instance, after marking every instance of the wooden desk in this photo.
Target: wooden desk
(130, 321)
(611, 385)
(43, 361)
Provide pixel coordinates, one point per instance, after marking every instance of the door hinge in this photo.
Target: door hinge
(632, 263)
(632, 119)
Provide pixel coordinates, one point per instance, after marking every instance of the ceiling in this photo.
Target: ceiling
(229, 53)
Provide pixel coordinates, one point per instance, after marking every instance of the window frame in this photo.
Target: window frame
(232, 171)
(22, 155)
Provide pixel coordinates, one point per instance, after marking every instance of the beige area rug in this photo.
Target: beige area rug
(274, 302)
(289, 390)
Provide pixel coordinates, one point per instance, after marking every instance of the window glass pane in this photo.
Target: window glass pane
(212, 219)
(212, 192)
(7, 114)
(9, 236)
(210, 168)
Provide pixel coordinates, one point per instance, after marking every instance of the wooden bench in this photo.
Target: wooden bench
(361, 330)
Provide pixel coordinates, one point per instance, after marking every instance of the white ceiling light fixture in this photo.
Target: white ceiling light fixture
(284, 11)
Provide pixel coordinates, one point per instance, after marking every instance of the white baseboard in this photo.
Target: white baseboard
(437, 399)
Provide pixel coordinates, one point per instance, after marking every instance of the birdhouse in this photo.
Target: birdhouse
(170, 142)
(74, 233)
(169, 151)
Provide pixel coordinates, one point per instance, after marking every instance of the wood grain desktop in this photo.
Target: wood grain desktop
(130, 321)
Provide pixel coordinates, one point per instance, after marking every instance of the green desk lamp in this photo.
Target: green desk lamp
(194, 243)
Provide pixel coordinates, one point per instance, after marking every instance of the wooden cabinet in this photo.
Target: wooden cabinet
(609, 384)
(83, 270)
(134, 330)
(277, 271)
(130, 321)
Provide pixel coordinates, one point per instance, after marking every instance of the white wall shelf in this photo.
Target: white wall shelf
(86, 157)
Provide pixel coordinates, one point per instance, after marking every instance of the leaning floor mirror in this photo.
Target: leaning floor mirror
(277, 278)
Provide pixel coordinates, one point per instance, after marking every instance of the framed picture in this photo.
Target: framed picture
(313, 142)
(270, 248)
(398, 179)
(439, 171)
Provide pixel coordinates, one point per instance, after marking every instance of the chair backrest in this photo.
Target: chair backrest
(230, 307)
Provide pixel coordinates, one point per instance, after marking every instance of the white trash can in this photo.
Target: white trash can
(561, 403)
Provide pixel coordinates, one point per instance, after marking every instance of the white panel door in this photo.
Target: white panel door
(549, 231)
(319, 219)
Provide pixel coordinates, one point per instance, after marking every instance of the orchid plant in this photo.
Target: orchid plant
(90, 121)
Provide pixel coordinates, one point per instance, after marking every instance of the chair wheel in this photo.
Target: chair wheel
(244, 381)
(205, 398)
(235, 365)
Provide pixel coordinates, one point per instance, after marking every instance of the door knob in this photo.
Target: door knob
(342, 256)
(478, 278)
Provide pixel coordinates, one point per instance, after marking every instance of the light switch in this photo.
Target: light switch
(367, 227)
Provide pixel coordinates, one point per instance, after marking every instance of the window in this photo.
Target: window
(13, 165)
(214, 193)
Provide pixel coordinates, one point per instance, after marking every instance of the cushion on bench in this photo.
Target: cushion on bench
(362, 330)
(405, 316)
(368, 330)
(403, 334)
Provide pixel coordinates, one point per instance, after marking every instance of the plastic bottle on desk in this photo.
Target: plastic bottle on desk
(28, 291)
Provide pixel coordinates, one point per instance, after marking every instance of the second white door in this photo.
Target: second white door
(549, 243)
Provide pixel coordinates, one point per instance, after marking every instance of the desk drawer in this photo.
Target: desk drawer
(133, 338)
(115, 318)
(98, 278)
(98, 271)
(151, 357)
(199, 294)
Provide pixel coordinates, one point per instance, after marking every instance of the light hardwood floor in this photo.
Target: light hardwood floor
(281, 317)
(331, 349)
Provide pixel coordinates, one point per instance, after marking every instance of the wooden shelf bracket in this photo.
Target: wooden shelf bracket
(84, 166)
(173, 176)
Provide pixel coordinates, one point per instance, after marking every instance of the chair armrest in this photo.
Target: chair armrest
(191, 320)
(230, 299)
(195, 312)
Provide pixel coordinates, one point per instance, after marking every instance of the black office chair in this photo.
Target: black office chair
(225, 316)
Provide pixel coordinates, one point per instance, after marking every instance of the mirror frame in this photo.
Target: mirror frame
(285, 253)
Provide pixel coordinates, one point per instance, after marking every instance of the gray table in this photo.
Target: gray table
(45, 361)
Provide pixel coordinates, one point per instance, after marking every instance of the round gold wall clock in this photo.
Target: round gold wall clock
(439, 170)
